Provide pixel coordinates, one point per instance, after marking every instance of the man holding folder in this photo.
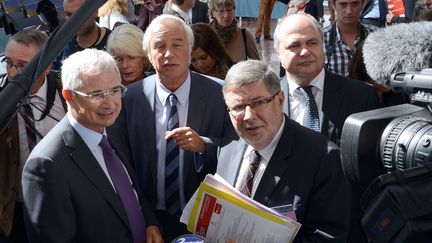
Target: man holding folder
(277, 162)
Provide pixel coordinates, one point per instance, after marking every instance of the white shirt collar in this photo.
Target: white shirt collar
(90, 137)
(317, 82)
(42, 92)
(182, 92)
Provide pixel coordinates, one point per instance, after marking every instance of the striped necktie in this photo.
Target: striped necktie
(247, 182)
(172, 195)
(311, 117)
(30, 126)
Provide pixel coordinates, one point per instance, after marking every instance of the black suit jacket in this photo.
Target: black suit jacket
(200, 13)
(342, 97)
(68, 197)
(305, 171)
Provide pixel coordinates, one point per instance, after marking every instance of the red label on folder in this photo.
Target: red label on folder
(396, 7)
(208, 205)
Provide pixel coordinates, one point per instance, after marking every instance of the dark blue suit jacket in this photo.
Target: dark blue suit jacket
(207, 115)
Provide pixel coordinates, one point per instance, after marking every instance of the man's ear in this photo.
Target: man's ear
(67, 95)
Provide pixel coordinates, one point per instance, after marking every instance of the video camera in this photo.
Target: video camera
(385, 155)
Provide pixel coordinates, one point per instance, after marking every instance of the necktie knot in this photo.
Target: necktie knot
(255, 160)
(104, 143)
(172, 99)
(247, 182)
(307, 92)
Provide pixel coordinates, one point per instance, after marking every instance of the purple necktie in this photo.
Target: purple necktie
(125, 191)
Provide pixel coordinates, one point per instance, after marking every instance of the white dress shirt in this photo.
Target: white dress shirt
(161, 119)
(297, 102)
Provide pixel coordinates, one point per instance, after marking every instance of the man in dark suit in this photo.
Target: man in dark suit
(299, 45)
(41, 111)
(78, 184)
(296, 167)
(171, 161)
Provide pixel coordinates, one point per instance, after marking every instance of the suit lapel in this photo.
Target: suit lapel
(234, 161)
(332, 103)
(196, 111)
(276, 167)
(85, 160)
(149, 89)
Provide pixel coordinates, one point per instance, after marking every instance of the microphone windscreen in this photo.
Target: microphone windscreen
(398, 48)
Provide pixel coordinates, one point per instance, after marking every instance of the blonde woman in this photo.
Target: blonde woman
(113, 11)
(125, 45)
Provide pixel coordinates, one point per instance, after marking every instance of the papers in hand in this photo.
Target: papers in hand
(219, 212)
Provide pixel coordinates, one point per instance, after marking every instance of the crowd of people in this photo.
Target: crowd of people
(113, 148)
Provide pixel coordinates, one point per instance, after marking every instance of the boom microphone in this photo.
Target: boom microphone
(398, 48)
(16, 91)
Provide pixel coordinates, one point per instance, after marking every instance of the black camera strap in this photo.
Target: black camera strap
(50, 96)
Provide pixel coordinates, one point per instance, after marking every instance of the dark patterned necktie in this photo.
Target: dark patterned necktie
(247, 182)
(125, 191)
(311, 117)
(172, 195)
(29, 121)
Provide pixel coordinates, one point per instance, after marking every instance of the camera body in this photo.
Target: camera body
(383, 140)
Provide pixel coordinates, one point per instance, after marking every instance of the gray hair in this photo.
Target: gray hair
(88, 61)
(251, 71)
(154, 26)
(312, 20)
(213, 4)
(32, 37)
(126, 39)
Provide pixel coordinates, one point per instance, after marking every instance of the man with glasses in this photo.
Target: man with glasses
(78, 182)
(40, 112)
(279, 163)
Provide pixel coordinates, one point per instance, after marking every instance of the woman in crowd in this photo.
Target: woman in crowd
(239, 42)
(112, 12)
(125, 45)
(208, 53)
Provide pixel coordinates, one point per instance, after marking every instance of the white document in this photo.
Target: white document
(219, 212)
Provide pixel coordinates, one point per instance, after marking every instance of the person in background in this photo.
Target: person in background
(78, 183)
(239, 42)
(125, 45)
(341, 38)
(90, 34)
(113, 12)
(40, 112)
(264, 18)
(209, 56)
(423, 10)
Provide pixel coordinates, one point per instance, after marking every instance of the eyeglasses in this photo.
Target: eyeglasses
(222, 11)
(256, 105)
(10, 64)
(97, 97)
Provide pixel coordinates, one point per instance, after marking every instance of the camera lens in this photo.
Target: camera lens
(406, 143)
